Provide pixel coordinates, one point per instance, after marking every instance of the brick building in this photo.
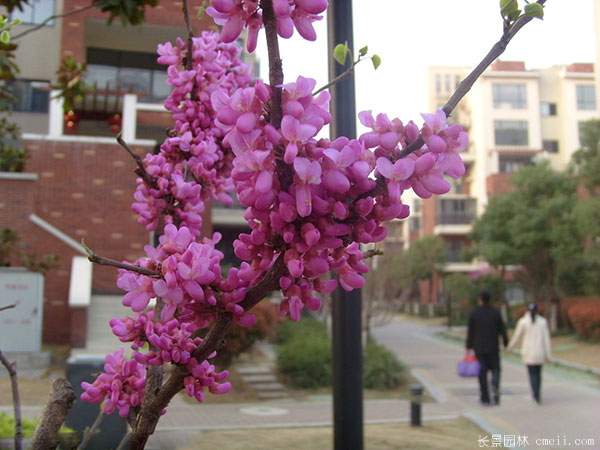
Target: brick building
(78, 183)
(514, 116)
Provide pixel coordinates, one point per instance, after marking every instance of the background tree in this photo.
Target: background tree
(534, 227)
(423, 259)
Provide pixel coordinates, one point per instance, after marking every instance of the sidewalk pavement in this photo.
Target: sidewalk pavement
(571, 400)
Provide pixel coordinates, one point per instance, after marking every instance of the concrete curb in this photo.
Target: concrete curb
(479, 421)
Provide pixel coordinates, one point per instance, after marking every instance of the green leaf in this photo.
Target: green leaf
(376, 60)
(340, 53)
(5, 37)
(534, 10)
(363, 51)
(508, 8)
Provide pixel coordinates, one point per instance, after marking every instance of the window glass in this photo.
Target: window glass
(101, 77)
(160, 87)
(512, 163)
(511, 132)
(550, 146)
(35, 12)
(30, 96)
(438, 83)
(548, 109)
(509, 95)
(137, 81)
(586, 97)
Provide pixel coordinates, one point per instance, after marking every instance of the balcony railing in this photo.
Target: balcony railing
(456, 211)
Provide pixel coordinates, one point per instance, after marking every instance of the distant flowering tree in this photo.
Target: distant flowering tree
(310, 202)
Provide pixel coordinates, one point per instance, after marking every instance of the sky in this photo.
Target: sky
(411, 35)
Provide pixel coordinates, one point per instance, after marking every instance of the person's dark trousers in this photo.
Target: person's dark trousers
(489, 362)
(535, 380)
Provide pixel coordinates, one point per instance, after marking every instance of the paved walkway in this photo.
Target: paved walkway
(571, 401)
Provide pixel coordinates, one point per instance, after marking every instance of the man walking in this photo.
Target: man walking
(485, 328)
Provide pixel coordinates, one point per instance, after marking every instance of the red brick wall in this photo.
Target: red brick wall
(498, 183)
(84, 190)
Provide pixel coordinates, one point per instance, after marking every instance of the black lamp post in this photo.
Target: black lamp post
(346, 310)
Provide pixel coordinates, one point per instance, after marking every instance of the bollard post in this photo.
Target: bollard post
(416, 399)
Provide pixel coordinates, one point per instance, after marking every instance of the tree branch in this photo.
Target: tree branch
(3, 308)
(141, 169)
(275, 64)
(121, 265)
(14, 384)
(53, 417)
(190, 32)
(339, 78)
(465, 85)
(91, 431)
(50, 19)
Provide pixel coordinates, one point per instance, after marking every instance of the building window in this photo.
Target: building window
(447, 83)
(548, 109)
(455, 250)
(512, 95)
(35, 12)
(511, 132)
(586, 97)
(460, 211)
(134, 72)
(438, 84)
(30, 95)
(512, 163)
(550, 146)
(456, 81)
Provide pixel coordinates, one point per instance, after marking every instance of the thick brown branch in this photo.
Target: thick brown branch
(14, 384)
(275, 64)
(53, 417)
(190, 32)
(50, 19)
(3, 308)
(465, 85)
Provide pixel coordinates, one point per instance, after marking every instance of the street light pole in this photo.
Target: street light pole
(346, 308)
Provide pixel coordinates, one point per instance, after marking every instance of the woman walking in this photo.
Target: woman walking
(535, 349)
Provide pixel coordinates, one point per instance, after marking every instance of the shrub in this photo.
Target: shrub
(305, 359)
(7, 426)
(288, 329)
(382, 370)
(585, 318)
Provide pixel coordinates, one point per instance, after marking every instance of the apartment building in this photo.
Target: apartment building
(514, 115)
(78, 183)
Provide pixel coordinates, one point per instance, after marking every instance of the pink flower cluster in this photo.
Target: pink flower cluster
(190, 286)
(235, 15)
(120, 387)
(425, 169)
(310, 202)
(192, 164)
(317, 196)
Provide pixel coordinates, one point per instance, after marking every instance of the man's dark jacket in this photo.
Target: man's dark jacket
(485, 326)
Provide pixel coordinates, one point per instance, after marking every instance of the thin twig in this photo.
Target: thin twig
(90, 432)
(3, 308)
(371, 253)
(121, 265)
(465, 85)
(14, 384)
(340, 77)
(50, 19)
(141, 169)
